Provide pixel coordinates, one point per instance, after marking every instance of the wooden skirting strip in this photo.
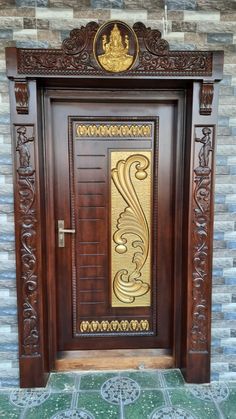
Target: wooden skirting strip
(115, 359)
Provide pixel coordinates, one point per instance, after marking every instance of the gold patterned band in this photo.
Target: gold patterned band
(114, 130)
(114, 326)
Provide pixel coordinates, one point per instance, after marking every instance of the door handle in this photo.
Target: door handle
(61, 233)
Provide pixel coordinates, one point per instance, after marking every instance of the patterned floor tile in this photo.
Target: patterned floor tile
(62, 381)
(94, 381)
(146, 379)
(228, 405)
(172, 378)
(148, 401)
(57, 402)
(200, 409)
(8, 410)
(93, 402)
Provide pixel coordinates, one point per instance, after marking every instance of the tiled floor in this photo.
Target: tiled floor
(121, 395)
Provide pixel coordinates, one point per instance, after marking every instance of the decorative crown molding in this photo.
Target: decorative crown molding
(77, 55)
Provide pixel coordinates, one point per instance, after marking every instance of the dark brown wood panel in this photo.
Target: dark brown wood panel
(85, 289)
(76, 65)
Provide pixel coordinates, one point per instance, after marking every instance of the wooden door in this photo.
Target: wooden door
(113, 186)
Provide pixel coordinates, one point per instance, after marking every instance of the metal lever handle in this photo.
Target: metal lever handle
(61, 233)
(66, 230)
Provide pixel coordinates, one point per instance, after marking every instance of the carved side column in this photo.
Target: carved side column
(28, 232)
(199, 242)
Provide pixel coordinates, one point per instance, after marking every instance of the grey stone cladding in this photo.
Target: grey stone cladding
(192, 24)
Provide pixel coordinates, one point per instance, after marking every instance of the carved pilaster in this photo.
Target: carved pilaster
(27, 219)
(201, 240)
(22, 97)
(206, 98)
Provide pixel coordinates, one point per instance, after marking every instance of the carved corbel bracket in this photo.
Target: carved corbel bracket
(206, 98)
(22, 97)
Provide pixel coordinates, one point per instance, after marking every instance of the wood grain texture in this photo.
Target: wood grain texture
(73, 66)
(106, 360)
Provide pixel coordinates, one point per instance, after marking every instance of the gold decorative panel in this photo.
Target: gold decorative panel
(123, 130)
(115, 47)
(131, 199)
(114, 326)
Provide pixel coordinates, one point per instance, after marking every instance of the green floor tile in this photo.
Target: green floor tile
(7, 409)
(94, 381)
(144, 406)
(200, 409)
(228, 406)
(172, 378)
(62, 382)
(145, 379)
(93, 402)
(57, 402)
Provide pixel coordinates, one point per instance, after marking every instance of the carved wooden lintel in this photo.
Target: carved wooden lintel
(206, 98)
(77, 56)
(22, 97)
(201, 252)
(27, 219)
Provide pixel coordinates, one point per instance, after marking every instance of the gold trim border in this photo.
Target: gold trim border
(114, 326)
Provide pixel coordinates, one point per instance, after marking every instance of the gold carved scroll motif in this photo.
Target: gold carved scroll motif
(131, 198)
(114, 130)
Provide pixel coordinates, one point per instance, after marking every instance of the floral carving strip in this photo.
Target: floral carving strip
(57, 62)
(27, 238)
(202, 196)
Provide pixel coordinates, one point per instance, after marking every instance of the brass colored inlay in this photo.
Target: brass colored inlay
(114, 130)
(116, 55)
(114, 326)
(130, 228)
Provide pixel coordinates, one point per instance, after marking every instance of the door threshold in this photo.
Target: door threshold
(111, 359)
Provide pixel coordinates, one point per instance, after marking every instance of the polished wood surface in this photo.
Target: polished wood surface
(82, 199)
(113, 359)
(37, 79)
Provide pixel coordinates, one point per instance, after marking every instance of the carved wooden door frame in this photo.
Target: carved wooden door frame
(153, 66)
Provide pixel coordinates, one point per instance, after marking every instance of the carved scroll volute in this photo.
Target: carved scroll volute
(27, 239)
(206, 98)
(22, 97)
(201, 240)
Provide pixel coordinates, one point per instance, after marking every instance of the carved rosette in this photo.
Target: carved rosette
(78, 56)
(201, 213)
(206, 98)
(27, 238)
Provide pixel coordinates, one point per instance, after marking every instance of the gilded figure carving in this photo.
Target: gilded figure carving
(129, 286)
(116, 55)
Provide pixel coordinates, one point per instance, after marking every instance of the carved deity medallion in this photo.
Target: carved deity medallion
(115, 47)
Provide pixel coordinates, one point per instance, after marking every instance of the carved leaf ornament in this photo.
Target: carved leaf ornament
(128, 286)
(114, 48)
(28, 231)
(201, 220)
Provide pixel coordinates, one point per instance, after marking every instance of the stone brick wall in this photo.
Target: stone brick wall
(192, 24)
